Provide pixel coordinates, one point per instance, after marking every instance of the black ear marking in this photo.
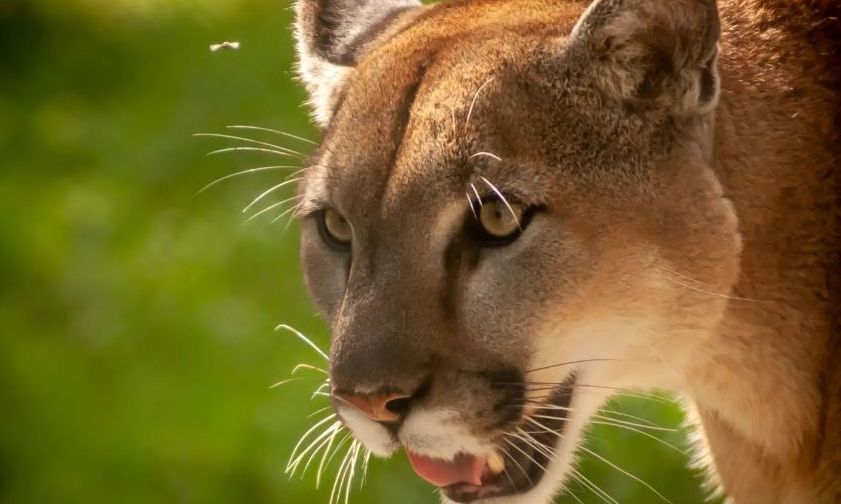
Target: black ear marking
(330, 36)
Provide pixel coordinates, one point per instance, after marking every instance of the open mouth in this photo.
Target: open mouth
(516, 468)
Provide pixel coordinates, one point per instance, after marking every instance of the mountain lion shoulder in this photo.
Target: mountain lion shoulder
(520, 207)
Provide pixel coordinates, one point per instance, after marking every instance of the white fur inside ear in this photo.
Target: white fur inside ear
(324, 82)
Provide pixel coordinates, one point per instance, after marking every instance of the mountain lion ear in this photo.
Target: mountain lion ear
(330, 35)
(651, 53)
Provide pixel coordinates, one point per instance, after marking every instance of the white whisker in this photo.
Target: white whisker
(327, 455)
(504, 201)
(273, 206)
(332, 431)
(303, 338)
(340, 477)
(269, 130)
(472, 208)
(309, 367)
(473, 102)
(244, 172)
(512, 459)
(606, 497)
(514, 445)
(488, 154)
(255, 149)
(269, 191)
(287, 380)
(297, 455)
(626, 473)
(249, 140)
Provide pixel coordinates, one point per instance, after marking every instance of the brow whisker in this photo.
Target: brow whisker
(503, 199)
(488, 154)
(473, 102)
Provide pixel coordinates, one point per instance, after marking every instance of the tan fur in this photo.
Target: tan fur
(697, 243)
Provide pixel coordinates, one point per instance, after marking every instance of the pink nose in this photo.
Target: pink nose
(378, 407)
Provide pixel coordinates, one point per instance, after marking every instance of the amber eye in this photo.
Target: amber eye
(335, 229)
(500, 220)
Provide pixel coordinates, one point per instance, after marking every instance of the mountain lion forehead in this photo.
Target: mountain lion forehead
(406, 122)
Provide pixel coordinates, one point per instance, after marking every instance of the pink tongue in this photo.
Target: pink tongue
(441, 473)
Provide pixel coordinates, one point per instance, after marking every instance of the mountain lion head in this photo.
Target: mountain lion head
(511, 216)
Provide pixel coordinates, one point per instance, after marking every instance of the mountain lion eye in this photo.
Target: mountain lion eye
(335, 229)
(500, 220)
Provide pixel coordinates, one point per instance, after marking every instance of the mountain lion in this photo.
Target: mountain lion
(521, 207)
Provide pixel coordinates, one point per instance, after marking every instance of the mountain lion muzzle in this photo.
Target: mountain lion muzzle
(520, 207)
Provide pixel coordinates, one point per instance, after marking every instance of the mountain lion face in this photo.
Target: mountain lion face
(512, 215)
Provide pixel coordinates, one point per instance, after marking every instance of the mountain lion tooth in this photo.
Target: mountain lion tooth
(496, 463)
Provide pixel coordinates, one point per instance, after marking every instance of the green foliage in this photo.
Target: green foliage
(137, 344)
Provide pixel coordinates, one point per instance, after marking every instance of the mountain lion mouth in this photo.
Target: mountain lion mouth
(516, 467)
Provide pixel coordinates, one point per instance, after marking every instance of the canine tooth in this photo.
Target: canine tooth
(496, 463)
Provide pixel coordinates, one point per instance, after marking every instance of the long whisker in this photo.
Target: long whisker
(269, 130)
(568, 491)
(332, 431)
(291, 210)
(352, 473)
(288, 380)
(365, 462)
(593, 487)
(249, 140)
(269, 191)
(711, 293)
(244, 172)
(704, 290)
(347, 437)
(643, 433)
(505, 469)
(273, 206)
(513, 459)
(605, 460)
(340, 477)
(626, 473)
(319, 410)
(308, 367)
(620, 390)
(256, 149)
(568, 363)
(628, 415)
(549, 452)
(514, 445)
(303, 338)
(297, 455)
(326, 456)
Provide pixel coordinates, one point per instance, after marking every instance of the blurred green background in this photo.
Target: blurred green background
(136, 317)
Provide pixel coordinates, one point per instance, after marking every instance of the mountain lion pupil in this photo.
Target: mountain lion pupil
(499, 220)
(336, 226)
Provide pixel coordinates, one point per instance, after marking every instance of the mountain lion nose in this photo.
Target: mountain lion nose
(381, 407)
